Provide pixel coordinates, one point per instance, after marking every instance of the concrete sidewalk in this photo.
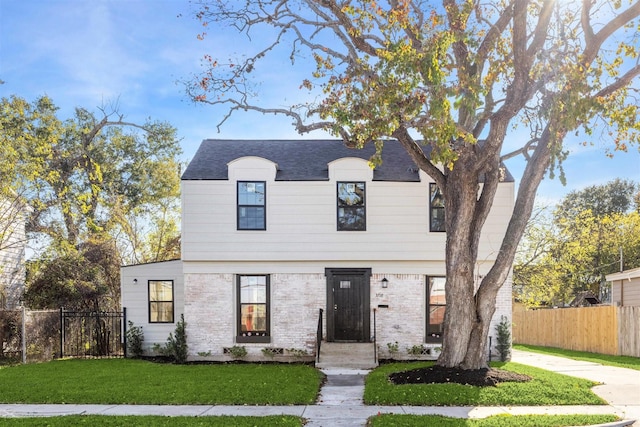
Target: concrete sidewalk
(620, 387)
(340, 401)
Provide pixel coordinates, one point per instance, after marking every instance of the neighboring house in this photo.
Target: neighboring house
(625, 287)
(13, 243)
(275, 231)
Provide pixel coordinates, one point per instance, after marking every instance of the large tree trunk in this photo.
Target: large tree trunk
(460, 197)
(470, 307)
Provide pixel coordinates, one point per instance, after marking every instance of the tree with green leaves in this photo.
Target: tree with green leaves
(592, 233)
(463, 77)
(617, 196)
(91, 181)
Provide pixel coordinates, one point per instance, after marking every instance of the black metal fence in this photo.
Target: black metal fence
(92, 334)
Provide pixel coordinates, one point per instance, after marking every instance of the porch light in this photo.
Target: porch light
(385, 282)
(135, 281)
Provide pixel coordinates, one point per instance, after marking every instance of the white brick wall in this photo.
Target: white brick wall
(210, 310)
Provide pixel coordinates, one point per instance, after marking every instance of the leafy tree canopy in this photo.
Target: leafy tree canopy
(574, 251)
(93, 180)
(617, 196)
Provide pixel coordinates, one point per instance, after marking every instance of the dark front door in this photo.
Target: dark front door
(348, 305)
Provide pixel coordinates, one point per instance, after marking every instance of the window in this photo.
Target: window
(253, 309)
(251, 206)
(160, 301)
(351, 206)
(436, 206)
(436, 305)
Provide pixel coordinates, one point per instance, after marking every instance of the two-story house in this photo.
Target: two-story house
(275, 231)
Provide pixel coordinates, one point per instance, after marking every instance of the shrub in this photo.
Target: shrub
(176, 346)
(237, 351)
(416, 350)
(503, 330)
(393, 348)
(135, 338)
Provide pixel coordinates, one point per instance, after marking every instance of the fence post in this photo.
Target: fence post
(24, 335)
(61, 332)
(124, 331)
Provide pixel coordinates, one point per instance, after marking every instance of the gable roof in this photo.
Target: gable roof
(300, 160)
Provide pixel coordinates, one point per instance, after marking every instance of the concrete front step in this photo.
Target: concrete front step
(347, 355)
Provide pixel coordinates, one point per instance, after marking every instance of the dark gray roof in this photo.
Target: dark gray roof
(299, 160)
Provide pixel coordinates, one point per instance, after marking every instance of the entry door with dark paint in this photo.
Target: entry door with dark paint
(349, 303)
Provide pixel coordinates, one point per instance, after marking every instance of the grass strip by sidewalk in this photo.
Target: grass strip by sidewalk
(545, 388)
(628, 362)
(127, 381)
(153, 421)
(385, 420)
(494, 421)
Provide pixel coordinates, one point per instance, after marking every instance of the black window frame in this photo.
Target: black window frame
(239, 206)
(242, 337)
(431, 337)
(157, 302)
(340, 226)
(434, 227)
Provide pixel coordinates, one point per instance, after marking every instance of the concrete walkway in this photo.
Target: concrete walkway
(340, 402)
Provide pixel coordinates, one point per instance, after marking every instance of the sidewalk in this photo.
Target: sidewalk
(340, 402)
(620, 387)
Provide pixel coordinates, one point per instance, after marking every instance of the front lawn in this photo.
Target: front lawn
(545, 388)
(135, 382)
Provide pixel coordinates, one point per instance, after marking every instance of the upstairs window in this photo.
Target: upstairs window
(251, 205)
(160, 301)
(436, 306)
(351, 206)
(253, 309)
(436, 208)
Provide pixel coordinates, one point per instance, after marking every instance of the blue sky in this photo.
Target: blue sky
(90, 53)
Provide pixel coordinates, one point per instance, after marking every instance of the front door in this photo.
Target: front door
(348, 304)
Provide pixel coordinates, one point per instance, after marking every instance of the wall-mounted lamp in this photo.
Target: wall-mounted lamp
(135, 281)
(385, 282)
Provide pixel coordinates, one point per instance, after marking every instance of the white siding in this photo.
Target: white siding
(134, 287)
(301, 219)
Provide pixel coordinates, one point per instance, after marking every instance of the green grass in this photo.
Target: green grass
(495, 421)
(545, 388)
(127, 381)
(153, 421)
(604, 359)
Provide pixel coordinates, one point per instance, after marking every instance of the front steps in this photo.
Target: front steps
(335, 355)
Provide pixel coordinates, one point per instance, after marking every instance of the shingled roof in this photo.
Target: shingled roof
(299, 160)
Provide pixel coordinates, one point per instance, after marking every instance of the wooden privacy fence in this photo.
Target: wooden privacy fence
(603, 329)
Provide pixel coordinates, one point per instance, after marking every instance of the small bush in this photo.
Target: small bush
(416, 350)
(135, 338)
(176, 346)
(237, 351)
(393, 348)
(503, 330)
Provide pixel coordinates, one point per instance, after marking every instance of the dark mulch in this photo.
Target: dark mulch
(441, 375)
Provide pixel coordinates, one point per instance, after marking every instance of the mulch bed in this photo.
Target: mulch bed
(441, 375)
